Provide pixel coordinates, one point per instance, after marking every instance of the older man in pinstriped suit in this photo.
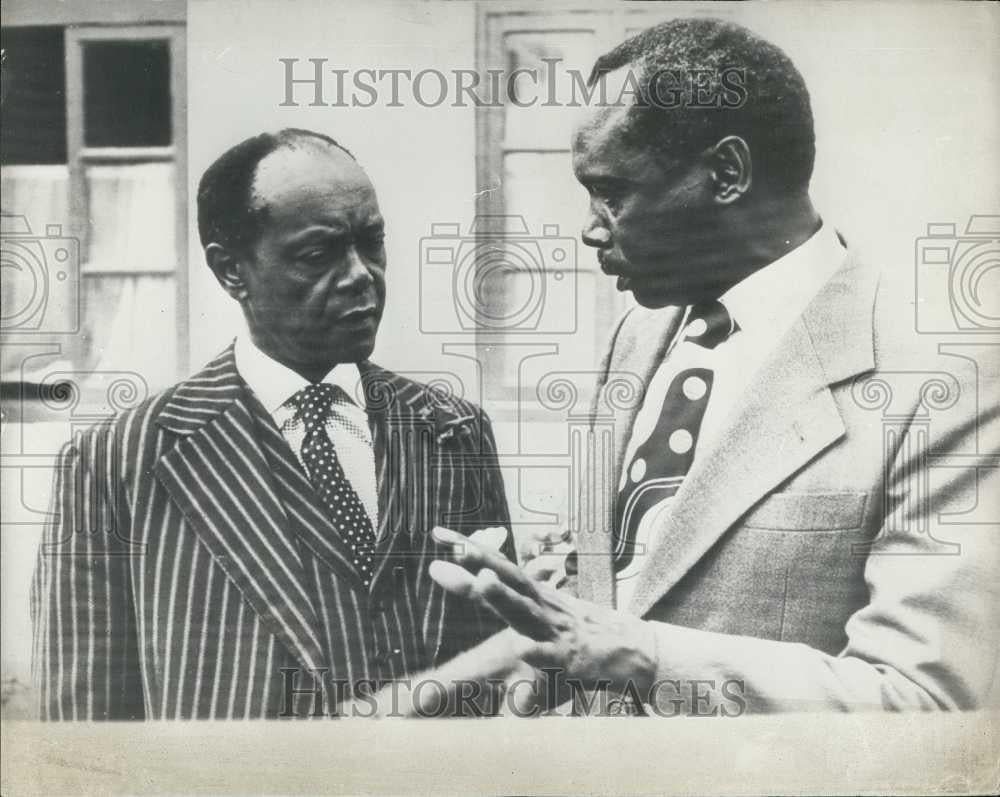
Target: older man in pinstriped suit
(261, 530)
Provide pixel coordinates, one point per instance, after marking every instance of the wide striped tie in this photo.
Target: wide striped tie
(327, 475)
(659, 465)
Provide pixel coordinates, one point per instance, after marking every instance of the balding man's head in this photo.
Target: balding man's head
(227, 213)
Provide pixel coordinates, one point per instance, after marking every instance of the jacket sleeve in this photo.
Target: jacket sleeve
(85, 657)
(470, 624)
(496, 511)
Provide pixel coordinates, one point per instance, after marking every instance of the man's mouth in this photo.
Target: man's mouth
(358, 316)
(610, 265)
(627, 278)
(614, 269)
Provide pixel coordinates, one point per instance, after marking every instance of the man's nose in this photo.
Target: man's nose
(357, 276)
(595, 232)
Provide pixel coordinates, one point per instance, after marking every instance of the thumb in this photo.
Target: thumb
(492, 537)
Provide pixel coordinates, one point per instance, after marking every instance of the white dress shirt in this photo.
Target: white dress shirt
(347, 424)
(764, 305)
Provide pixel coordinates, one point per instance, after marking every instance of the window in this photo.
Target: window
(524, 152)
(126, 99)
(34, 109)
(94, 202)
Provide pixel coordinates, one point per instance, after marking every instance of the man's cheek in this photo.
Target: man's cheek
(306, 299)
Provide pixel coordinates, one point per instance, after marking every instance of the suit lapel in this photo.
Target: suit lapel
(220, 477)
(308, 518)
(641, 359)
(632, 359)
(790, 417)
(405, 421)
(395, 423)
(787, 418)
(402, 425)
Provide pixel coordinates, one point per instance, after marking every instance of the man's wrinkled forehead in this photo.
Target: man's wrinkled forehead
(598, 122)
(308, 168)
(599, 137)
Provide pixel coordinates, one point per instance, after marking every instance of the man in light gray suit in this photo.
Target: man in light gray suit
(803, 503)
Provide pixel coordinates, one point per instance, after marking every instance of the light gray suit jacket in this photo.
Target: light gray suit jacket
(839, 547)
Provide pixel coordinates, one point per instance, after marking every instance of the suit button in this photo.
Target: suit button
(384, 658)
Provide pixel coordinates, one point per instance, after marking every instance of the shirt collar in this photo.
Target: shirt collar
(769, 300)
(274, 383)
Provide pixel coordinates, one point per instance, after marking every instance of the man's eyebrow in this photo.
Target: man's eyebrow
(604, 180)
(324, 234)
(312, 234)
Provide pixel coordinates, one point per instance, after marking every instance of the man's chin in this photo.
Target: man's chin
(653, 303)
(654, 296)
(328, 353)
(356, 351)
(650, 298)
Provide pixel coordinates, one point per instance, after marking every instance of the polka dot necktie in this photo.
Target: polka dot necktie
(327, 475)
(659, 465)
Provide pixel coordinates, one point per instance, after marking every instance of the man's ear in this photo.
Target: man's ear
(732, 169)
(228, 270)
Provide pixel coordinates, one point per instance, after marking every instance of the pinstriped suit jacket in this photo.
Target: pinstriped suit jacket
(189, 561)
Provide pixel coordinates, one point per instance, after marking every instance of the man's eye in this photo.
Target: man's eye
(611, 202)
(608, 196)
(315, 256)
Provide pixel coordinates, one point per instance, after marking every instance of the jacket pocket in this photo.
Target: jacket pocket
(793, 511)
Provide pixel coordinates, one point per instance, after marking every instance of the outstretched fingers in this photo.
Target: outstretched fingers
(521, 613)
(475, 557)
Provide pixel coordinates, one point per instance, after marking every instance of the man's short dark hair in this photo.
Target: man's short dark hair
(774, 116)
(226, 214)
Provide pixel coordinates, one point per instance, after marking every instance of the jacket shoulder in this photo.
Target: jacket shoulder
(909, 334)
(440, 394)
(124, 421)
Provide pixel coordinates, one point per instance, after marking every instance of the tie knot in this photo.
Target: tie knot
(314, 402)
(709, 324)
